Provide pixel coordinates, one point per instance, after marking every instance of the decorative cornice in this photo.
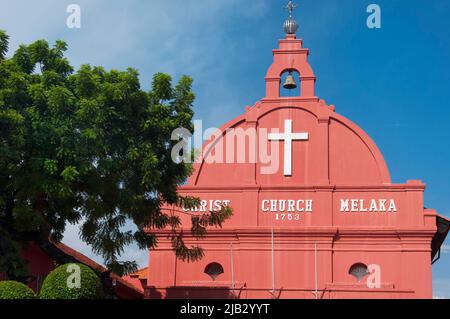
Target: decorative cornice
(300, 188)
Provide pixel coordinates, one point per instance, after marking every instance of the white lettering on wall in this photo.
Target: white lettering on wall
(289, 206)
(344, 205)
(373, 205)
(209, 206)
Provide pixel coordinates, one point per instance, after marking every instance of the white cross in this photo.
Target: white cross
(288, 137)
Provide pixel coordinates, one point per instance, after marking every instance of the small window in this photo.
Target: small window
(214, 270)
(359, 271)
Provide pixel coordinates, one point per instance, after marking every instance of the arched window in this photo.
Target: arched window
(359, 271)
(214, 270)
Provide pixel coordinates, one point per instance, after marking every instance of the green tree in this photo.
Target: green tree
(89, 147)
(55, 284)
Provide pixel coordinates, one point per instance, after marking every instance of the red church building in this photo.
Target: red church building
(329, 223)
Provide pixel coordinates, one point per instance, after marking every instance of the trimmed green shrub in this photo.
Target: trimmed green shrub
(62, 283)
(15, 290)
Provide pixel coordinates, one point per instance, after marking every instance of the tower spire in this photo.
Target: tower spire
(290, 25)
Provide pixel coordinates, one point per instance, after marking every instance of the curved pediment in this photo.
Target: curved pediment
(326, 148)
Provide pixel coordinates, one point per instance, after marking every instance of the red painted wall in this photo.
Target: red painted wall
(38, 265)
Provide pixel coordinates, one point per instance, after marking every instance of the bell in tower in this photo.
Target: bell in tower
(290, 84)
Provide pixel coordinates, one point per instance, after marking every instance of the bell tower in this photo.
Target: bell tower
(289, 57)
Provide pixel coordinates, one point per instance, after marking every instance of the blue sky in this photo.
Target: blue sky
(393, 82)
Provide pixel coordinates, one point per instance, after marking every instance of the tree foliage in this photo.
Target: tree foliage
(89, 147)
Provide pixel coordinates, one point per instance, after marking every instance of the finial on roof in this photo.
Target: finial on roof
(290, 25)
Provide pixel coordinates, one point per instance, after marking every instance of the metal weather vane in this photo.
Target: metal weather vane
(290, 7)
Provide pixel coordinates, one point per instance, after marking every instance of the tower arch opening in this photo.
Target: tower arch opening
(290, 83)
